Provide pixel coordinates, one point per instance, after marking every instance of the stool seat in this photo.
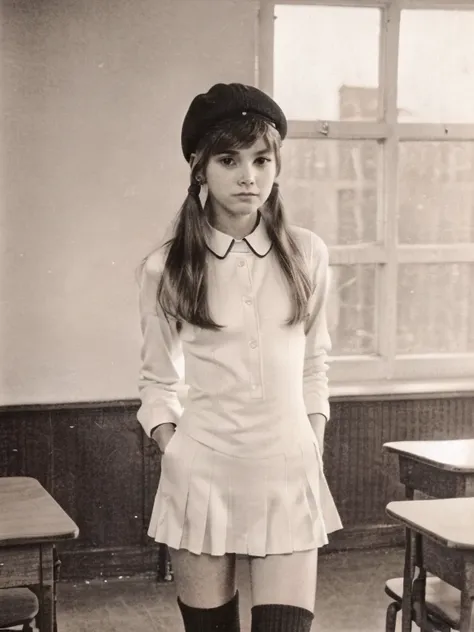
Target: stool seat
(17, 605)
(442, 600)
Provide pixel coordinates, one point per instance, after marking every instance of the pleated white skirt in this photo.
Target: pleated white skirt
(209, 502)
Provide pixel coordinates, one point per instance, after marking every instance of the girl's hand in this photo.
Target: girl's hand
(162, 435)
(318, 424)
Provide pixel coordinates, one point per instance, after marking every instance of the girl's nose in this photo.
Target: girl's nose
(247, 176)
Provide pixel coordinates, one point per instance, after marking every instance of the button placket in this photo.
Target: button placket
(251, 330)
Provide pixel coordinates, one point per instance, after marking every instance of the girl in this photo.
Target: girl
(241, 295)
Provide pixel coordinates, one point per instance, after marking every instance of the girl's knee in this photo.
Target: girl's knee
(285, 579)
(204, 581)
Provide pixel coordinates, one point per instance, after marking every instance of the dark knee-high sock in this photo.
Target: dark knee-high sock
(281, 618)
(224, 618)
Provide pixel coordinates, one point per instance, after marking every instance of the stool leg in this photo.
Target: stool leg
(419, 604)
(443, 627)
(466, 611)
(391, 616)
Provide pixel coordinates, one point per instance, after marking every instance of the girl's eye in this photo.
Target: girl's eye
(226, 161)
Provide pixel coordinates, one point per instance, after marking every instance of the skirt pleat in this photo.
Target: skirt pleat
(324, 512)
(215, 535)
(200, 485)
(173, 496)
(258, 514)
(303, 514)
(209, 502)
(227, 485)
(288, 497)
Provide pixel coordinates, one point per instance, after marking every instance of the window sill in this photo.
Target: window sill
(374, 390)
(402, 389)
(377, 390)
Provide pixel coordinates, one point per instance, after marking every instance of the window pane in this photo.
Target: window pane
(436, 66)
(314, 74)
(330, 187)
(436, 308)
(351, 310)
(436, 189)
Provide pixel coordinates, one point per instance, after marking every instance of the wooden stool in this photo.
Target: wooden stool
(18, 606)
(441, 601)
(440, 540)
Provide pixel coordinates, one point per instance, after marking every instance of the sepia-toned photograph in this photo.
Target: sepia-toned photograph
(237, 315)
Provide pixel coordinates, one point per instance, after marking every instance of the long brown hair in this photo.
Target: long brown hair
(182, 290)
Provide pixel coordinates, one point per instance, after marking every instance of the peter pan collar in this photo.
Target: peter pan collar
(220, 244)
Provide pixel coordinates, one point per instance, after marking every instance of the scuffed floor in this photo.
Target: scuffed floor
(350, 597)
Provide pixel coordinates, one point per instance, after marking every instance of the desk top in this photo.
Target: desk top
(29, 514)
(456, 455)
(449, 521)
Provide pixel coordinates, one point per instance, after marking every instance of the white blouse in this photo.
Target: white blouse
(252, 384)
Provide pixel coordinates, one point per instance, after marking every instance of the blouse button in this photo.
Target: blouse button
(248, 301)
(241, 263)
(253, 344)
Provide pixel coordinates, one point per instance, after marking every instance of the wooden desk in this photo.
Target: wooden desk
(31, 522)
(447, 526)
(441, 469)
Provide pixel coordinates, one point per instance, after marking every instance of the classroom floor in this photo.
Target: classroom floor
(350, 597)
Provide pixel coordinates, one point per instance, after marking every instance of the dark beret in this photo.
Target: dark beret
(227, 101)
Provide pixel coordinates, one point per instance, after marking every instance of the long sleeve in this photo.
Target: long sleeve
(318, 342)
(160, 355)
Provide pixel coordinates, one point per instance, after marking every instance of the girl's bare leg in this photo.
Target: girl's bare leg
(283, 591)
(285, 579)
(204, 581)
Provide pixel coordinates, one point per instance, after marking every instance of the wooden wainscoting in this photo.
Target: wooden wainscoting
(97, 463)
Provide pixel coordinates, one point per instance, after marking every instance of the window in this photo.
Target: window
(379, 161)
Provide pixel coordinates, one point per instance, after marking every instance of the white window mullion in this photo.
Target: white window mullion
(387, 281)
(379, 130)
(439, 253)
(357, 254)
(435, 366)
(455, 5)
(266, 37)
(338, 130)
(436, 131)
(356, 369)
(378, 4)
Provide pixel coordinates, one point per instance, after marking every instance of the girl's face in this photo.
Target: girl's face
(240, 180)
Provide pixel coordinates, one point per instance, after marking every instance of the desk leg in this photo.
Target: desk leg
(419, 586)
(46, 590)
(466, 611)
(408, 572)
(408, 576)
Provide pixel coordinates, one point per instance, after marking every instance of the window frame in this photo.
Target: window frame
(387, 371)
